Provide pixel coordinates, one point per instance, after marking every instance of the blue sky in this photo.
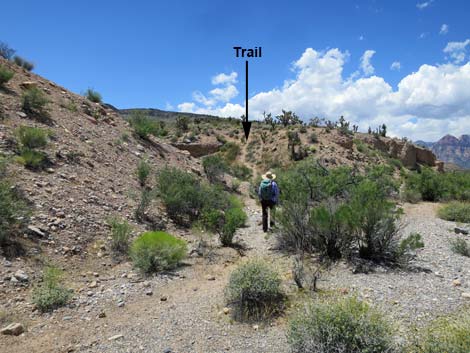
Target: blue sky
(166, 55)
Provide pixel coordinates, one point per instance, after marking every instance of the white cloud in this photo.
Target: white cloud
(444, 29)
(224, 78)
(168, 106)
(423, 5)
(457, 50)
(427, 104)
(396, 65)
(366, 66)
(361, 37)
(423, 35)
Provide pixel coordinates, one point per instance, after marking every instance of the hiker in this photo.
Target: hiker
(268, 193)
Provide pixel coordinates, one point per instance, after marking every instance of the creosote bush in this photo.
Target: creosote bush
(343, 325)
(14, 209)
(254, 291)
(5, 75)
(144, 126)
(214, 167)
(93, 95)
(460, 246)
(51, 294)
(455, 211)
(120, 234)
(25, 64)
(157, 251)
(34, 101)
(143, 171)
(32, 137)
(446, 334)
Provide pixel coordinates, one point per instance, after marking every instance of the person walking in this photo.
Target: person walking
(268, 194)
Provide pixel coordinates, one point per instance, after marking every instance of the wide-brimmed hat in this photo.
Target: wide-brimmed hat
(269, 175)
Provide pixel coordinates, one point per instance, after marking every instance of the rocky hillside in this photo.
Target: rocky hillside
(159, 114)
(451, 149)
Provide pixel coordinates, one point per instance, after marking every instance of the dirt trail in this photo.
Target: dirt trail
(184, 315)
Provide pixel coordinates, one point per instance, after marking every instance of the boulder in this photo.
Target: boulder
(425, 156)
(14, 329)
(21, 276)
(344, 141)
(28, 84)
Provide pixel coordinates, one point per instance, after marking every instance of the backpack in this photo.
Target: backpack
(266, 190)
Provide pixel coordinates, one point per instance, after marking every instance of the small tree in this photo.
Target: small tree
(182, 123)
(5, 51)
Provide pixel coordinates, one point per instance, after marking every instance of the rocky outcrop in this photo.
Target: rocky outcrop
(408, 153)
(198, 149)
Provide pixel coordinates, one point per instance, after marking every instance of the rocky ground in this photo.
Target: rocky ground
(184, 311)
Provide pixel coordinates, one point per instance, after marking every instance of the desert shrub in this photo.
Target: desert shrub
(235, 186)
(5, 75)
(396, 163)
(226, 223)
(157, 251)
(254, 291)
(446, 334)
(51, 294)
(182, 123)
(34, 101)
(343, 325)
(411, 196)
(185, 196)
(25, 64)
(460, 246)
(6, 51)
(303, 129)
(93, 95)
(241, 171)
(230, 151)
(32, 159)
(313, 137)
(14, 211)
(455, 211)
(120, 233)
(434, 186)
(146, 197)
(32, 137)
(143, 171)
(214, 167)
(144, 126)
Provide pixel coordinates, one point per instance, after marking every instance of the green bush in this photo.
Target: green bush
(6, 51)
(346, 325)
(143, 171)
(157, 251)
(144, 126)
(313, 138)
(5, 75)
(230, 151)
(455, 211)
(214, 167)
(411, 196)
(185, 196)
(182, 124)
(51, 294)
(254, 291)
(25, 64)
(34, 101)
(32, 137)
(34, 160)
(241, 171)
(14, 211)
(447, 334)
(93, 96)
(120, 234)
(460, 246)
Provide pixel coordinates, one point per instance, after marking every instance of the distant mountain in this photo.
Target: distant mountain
(161, 114)
(451, 149)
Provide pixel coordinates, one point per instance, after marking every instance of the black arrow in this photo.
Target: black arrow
(246, 124)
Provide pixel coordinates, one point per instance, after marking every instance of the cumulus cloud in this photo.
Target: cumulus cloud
(426, 104)
(396, 66)
(216, 96)
(457, 50)
(366, 66)
(224, 78)
(444, 29)
(424, 4)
